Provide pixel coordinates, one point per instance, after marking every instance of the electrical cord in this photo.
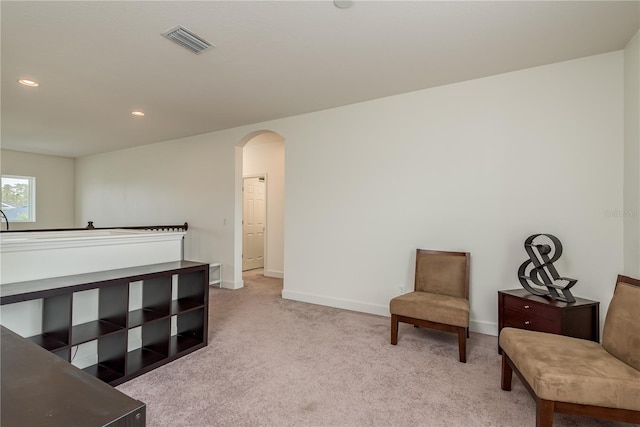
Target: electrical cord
(5, 218)
(74, 354)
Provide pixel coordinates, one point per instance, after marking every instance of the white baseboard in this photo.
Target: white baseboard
(233, 285)
(482, 327)
(276, 274)
(85, 354)
(380, 310)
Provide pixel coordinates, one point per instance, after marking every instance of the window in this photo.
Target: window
(19, 198)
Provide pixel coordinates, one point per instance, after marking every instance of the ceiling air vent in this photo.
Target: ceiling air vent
(187, 39)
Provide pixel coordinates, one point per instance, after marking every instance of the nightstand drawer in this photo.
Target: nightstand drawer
(532, 308)
(524, 320)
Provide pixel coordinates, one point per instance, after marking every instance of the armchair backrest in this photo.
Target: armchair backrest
(440, 272)
(621, 332)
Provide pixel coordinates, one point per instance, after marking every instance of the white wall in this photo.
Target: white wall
(54, 187)
(171, 182)
(475, 166)
(264, 155)
(631, 212)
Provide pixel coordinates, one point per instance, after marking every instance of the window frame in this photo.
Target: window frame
(32, 196)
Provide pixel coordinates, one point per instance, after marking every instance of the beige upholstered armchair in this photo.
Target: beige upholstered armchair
(581, 377)
(440, 299)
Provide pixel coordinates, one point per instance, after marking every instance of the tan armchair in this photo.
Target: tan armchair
(440, 299)
(580, 377)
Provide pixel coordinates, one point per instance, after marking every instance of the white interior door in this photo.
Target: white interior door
(253, 223)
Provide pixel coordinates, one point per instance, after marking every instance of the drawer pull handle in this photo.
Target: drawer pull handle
(526, 306)
(527, 322)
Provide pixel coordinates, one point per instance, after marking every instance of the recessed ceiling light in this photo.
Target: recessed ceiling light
(27, 82)
(137, 113)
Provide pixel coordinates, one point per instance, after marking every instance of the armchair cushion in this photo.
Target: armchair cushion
(432, 307)
(621, 333)
(566, 369)
(444, 274)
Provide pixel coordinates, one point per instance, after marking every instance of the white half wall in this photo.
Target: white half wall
(474, 166)
(54, 187)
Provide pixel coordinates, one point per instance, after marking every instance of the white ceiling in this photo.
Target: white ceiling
(97, 61)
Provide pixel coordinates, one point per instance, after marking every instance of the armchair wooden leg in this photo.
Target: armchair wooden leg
(462, 344)
(544, 413)
(507, 373)
(394, 329)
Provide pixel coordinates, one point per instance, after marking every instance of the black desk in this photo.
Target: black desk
(41, 389)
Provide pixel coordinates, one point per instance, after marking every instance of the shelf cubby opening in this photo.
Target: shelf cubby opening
(155, 345)
(190, 286)
(103, 373)
(56, 320)
(155, 336)
(183, 343)
(184, 305)
(142, 358)
(63, 353)
(49, 342)
(144, 315)
(190, 331)
(215, 274)
(156, 294)
(113, 302)
(90, 331)
(111, 357)
(150, 300)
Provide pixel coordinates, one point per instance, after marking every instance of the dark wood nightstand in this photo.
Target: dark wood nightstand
(517, 308)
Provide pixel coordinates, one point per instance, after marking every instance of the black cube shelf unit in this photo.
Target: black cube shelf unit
(114, 321)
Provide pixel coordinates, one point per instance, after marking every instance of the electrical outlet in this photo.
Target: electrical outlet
(400, 289)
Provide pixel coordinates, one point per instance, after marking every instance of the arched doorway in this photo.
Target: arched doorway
(260, 157)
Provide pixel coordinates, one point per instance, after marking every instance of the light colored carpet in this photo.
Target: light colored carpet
(273, 362)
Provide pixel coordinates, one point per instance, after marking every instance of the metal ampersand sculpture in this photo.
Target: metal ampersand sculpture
(538, 272)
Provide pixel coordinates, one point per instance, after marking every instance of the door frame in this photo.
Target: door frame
(266, 217)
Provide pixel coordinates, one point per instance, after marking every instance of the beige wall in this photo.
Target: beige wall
(264, 155)
(631, 212)
(54, 187)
